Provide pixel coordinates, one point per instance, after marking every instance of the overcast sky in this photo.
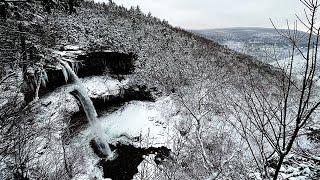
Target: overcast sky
(205, 14)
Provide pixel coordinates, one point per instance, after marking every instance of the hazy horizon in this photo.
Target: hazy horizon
(214, 14)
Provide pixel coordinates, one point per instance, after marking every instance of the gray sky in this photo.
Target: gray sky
(204, 14)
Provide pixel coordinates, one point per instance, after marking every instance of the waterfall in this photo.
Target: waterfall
(79, 92)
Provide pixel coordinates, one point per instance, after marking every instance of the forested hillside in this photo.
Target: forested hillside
(161, 50)
(93, 91)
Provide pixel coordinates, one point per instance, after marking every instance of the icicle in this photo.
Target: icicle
(43, 82)
(70, 73)
(76, 66)
(72, 66)
(65, 73)
(45, 75)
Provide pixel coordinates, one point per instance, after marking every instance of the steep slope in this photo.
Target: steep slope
(166, 56)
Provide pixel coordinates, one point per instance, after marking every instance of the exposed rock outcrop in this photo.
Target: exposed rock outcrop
(125, 166)
(85, 64)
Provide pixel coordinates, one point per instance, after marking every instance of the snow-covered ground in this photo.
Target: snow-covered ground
(297, 66)
(146, 120)
(102, 86)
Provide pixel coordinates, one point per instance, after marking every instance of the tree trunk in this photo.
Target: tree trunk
(276, 174)
(23, 49)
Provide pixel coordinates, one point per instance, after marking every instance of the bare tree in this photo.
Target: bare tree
(271, 119)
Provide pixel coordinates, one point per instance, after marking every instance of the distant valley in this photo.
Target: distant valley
(265, 44)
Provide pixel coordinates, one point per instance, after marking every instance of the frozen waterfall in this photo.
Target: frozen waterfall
(79, 92)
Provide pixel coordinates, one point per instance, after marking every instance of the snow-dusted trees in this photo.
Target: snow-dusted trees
(20, 134)
(204, 145)
(17, 131)
(67, 5)
(198, 72)
(271, 119)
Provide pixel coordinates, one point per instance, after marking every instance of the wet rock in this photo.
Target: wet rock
(125, 166)
(113, 102)
(97, 63)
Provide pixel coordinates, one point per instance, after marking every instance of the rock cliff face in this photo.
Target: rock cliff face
(125, 166)
(97, 63)
(85, 64)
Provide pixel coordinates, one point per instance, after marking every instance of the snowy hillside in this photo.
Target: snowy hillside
(98, 91)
